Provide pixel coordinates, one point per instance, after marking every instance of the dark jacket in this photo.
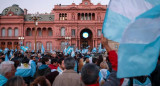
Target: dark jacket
(42, 71)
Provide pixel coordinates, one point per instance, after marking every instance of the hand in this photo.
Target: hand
(105, 43)
(104, 40)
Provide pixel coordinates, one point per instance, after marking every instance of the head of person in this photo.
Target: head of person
(25, 60)
(104, 65)
(80, 65)
(33, 57)
(40, 81)
(94, 60)
(90, 74)
(54, 61)
(69, 63)
(16, 81)
(54, 55)
(61, 63)
(7, 69)
(45, 60)
(100, 59)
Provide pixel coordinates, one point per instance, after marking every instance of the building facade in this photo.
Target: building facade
(65, 25)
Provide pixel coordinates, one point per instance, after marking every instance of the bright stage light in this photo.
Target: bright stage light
(85, 34)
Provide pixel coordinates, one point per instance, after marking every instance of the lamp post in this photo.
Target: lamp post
(35, 18)
(21, 40)
(67, 38)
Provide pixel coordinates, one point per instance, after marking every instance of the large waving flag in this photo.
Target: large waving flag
(42, 49)
(24, 48)
(135, 25)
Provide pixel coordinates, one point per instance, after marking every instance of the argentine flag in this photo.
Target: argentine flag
(24, 48)
(135, 24)
(42, 49)
(94, 50)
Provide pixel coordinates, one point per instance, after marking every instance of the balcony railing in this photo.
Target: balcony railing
(8, 37)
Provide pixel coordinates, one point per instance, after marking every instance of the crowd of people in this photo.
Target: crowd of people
(57, 69)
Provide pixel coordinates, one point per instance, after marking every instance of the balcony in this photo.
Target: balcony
(8, 37)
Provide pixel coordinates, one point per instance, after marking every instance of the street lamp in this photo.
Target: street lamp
(35, 18)
(67, 38)
(21, 40)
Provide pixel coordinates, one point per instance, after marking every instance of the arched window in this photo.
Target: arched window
(93, 16)
(49, 46)
(39, 32)
(39, 44)
(16, 32)
(50, 32)
(78, 16)
(86, 16)
(65, 16)
(62, 45)
(82, 16)
(3, 32)
(62, 31)
(99, 32)
(10, 32)
(28, 44)
(60, 16)
(2, 45)
(15, 45)
(89, 16)
(28, 33)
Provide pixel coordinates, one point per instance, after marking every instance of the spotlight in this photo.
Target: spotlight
(85, 35)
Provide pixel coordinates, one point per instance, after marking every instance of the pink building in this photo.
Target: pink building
(65, 24)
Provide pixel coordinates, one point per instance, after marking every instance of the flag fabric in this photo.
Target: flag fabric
(5, 50)
(94, 50)
(11, 53)
(42, 49)
(6, 57)
(65, 51)
(84, 51)
(100, 48)
(69, 50)
(24, 48)
(73, 53)
(3, 80)
(1, 50)
(15, 50)
(135, 25)
(6, 54)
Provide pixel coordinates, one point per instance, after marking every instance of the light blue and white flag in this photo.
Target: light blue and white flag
(15, 50)
(73, 53)
(65, 51)
(23, 71)
(11, 53)
(135, 25)
(69, 50)
(24, 48)
(5, 50)
(100, 48)
(94, 50)
(1, 50)
(42, 49)
(84, 51)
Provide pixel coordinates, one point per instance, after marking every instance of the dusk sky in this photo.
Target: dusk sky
(42, 6)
